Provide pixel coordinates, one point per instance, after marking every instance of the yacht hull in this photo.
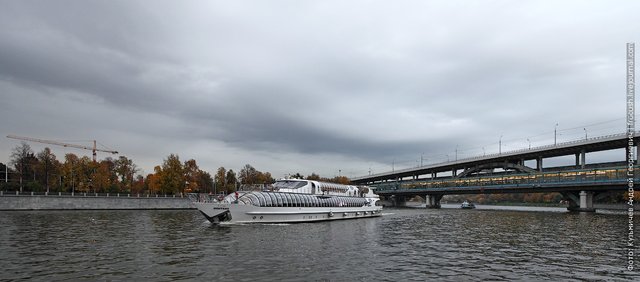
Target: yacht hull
(239, 213)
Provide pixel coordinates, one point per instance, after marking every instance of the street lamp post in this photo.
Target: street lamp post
(555, 135)
(456, 152)
(585, 133)
(500, 145)
(529, 143)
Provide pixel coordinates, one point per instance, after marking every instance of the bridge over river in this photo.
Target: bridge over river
(580, 184)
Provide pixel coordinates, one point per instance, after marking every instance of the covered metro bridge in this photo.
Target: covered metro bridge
(506, 172)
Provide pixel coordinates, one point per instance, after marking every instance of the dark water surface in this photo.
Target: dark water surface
(406, 244)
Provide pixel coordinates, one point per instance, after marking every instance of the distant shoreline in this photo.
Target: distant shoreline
(9, 201)
(617, 207)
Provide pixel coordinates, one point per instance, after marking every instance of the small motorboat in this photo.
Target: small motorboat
(467, 205)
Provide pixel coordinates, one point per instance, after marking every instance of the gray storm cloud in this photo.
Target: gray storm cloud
(348, 85)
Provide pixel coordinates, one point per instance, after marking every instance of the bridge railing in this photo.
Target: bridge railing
(613, 174)
(537, 148)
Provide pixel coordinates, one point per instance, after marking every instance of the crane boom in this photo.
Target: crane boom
(94, 149)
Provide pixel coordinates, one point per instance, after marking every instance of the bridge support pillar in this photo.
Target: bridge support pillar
(539, 164)
(581, 202)
(586, 200)
(581, 159)
(399, 201)
(432, 201)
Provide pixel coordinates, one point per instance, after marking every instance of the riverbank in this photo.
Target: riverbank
(11, 201)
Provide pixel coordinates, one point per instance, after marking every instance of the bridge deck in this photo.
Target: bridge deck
(612, 178)
(594, 144)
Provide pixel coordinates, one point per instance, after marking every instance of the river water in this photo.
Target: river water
(448, 244)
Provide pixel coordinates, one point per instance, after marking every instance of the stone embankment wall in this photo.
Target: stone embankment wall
(11, 201)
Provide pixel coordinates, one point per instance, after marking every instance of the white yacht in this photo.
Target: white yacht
(291, 200)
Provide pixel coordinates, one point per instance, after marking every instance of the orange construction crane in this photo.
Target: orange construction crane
(94, 149)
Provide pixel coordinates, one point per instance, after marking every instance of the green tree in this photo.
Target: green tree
(296, 176)
(138, 184)
(248, 175)
(231, 181)
(47, 167)
(341, 180)
(78, 173)
(205, 181)
(125, 169)
(153, 182)
(86, 169)
(22, 158)
(264, 178)
(70, 170)
(313, 176)
(172, 177)
(105, 178)
(220, 179)
(191, 175)
(4, 175)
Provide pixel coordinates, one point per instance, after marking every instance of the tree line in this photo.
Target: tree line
(44, 172)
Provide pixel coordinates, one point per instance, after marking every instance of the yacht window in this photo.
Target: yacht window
(261, 201)
(288, 200)
(253, 199)
(278, 197)
(289, 184)
(300, 200)
(267, 199)
(274, 202)
(292, 200)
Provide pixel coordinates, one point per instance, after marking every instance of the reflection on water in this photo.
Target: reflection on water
(409, 244)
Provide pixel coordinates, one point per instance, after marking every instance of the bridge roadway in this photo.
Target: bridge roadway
(507, 173)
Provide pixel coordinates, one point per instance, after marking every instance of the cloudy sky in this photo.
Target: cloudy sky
(312, 86)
